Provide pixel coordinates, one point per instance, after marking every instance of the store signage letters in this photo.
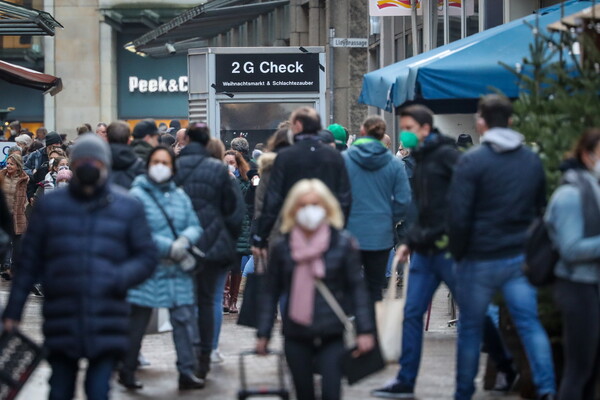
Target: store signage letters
(267, 72)
(159, 85)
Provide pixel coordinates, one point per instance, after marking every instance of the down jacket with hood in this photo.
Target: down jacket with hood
(169, 286)
(380, 193)
(86, 253)
(497, 190)
(126, 165)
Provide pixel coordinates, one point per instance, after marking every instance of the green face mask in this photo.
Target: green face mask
(409, 140)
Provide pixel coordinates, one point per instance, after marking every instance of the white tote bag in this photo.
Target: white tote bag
(389, 317)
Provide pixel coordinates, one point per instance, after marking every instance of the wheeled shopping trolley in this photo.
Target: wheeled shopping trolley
(248, 390)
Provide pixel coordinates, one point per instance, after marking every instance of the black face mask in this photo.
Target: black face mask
(87, 175)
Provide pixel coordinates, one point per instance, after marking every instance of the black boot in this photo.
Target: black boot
(190, 381)
(203, 365)
(128, 380)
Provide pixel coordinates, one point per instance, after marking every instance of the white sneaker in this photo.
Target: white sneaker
(216, 357)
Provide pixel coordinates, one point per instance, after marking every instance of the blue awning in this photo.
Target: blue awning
(464, 69)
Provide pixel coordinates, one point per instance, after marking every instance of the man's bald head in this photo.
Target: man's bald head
(305, 120)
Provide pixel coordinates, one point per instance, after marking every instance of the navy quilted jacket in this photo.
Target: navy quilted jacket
(86, 254)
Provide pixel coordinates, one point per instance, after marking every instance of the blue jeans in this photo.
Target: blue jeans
(218, 309)
(249, 267)
(426, 272)
(477, 282)
(64, 375)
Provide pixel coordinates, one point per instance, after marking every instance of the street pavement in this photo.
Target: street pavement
(436, 378)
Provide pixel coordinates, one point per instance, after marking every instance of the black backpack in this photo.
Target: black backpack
(541, 254)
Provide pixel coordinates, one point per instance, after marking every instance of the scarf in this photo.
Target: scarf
(308, 255)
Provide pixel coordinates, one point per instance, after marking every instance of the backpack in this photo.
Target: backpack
(541, 255)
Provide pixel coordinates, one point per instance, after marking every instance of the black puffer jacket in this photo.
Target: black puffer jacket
(308, 158)
(342, 277)
(435, 159)
(86, 253)
(217, 200)
(126, 165)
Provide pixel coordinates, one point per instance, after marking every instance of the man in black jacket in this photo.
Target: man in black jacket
(308, 158)
(497, 190)
(145, 138)
(125, 164)
(218, 202)
(427, 244)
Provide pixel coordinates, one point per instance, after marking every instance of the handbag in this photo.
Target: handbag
(389, 315)
(255, 286)
(193, 250)
(353, 368)
(19, 356)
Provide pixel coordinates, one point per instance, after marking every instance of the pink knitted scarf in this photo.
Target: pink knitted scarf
(308, 255)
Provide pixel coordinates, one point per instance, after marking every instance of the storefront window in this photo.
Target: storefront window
(255, 121)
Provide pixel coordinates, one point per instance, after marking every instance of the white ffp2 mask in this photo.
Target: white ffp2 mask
(310, 217)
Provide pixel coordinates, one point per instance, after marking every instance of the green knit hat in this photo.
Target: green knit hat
(339, 133)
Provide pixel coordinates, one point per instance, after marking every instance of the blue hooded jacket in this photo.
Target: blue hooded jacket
(380, 193)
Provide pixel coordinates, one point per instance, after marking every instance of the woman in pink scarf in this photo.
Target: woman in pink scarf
(314, 246)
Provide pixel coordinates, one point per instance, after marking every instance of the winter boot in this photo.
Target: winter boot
(226, 294)
(234, 289)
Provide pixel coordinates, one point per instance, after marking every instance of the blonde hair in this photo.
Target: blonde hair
(306, 186)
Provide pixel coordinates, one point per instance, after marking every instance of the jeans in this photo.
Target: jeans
(579, 304)
(425, 274)
(388, 270)
(477, 282)
(185, 336)
(249, 267)
(374, 264)
(64, 375)
(218, 308)
(305, 356)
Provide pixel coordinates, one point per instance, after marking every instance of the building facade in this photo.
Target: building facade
(103, 81)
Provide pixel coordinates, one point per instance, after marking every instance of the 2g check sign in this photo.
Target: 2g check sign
(268, 67)
(267, 72)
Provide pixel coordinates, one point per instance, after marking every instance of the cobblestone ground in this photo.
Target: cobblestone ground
(436, 378)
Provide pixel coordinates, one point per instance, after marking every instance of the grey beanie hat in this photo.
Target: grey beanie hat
(89, 145)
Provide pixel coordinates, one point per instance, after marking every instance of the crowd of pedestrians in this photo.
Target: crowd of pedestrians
(104, 228)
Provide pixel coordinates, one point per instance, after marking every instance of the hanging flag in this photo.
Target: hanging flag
(382, 8)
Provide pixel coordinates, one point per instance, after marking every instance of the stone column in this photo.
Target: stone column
(77, 61)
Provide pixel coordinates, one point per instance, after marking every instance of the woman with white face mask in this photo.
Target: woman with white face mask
(314, 246)
(573, 220)
(171, 286)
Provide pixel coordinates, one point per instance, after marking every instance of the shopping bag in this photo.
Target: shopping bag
(389, 313)
(19, 356)
(255, 283)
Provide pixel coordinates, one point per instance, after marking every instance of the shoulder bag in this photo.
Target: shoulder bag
(193, 250)
(353, 368)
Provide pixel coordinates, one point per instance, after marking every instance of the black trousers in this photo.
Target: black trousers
(206, 284)
(374, 267)
(579, 304)
(305, 356)
(138, 322)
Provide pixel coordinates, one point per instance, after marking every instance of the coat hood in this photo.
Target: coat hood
(503, 139)
(370, 154)
(123, 156)
(266, 161)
